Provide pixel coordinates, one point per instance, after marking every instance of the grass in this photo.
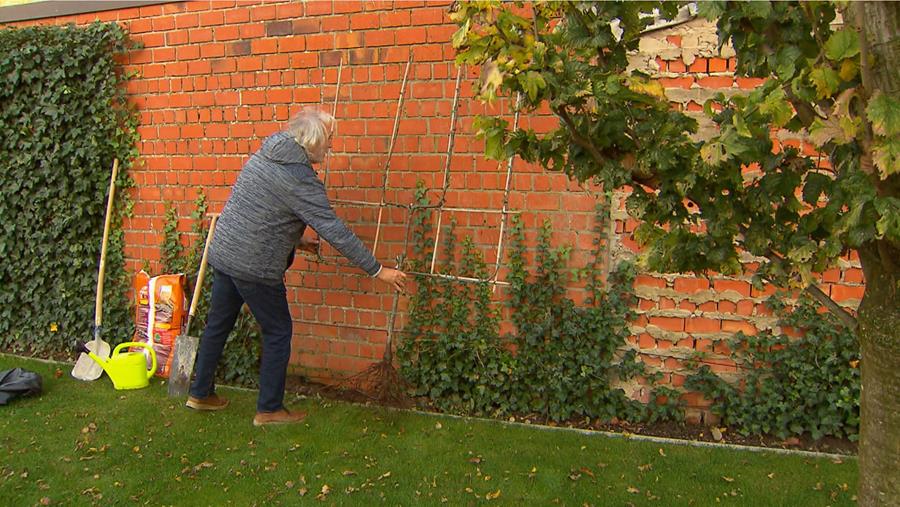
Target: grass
(83, 443)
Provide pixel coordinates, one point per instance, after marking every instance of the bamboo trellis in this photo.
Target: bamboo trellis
(441, 207)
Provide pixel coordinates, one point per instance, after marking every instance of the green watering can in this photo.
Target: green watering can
(127, 370)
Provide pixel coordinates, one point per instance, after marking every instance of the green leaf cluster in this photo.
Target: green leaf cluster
(703, 204)
(64, 117)
(792, 386)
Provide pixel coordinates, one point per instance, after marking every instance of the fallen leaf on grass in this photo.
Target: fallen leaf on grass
(587, 471)
(632, 490)
(476, 460)
(644, 468)
(492, 496)
(771, 475)
(728, 479)
(662, 452)
(302, 491)
(347, 473)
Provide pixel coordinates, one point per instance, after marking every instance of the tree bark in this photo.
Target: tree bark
(879, 340)
(879, 312)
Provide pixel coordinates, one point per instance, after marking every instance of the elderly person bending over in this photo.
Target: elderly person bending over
(276, 196)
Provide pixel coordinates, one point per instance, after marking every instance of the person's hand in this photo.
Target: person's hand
(309, 245)
(394, 277)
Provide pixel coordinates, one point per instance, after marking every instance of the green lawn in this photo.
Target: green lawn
(84, 442)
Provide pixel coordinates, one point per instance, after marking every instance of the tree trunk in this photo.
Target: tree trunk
(879, 340)
(879, 312)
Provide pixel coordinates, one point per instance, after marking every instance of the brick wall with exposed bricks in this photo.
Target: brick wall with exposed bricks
(215, 78)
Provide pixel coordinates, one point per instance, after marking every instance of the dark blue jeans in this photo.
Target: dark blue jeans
(268, 304)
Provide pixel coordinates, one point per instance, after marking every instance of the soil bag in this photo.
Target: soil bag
(159, 311)
(19, 382)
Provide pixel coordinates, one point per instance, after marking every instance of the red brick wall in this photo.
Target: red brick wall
(216, 77)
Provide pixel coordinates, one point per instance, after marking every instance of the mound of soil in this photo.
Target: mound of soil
(667, 429)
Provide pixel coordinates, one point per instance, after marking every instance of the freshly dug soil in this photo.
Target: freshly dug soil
(668, 429)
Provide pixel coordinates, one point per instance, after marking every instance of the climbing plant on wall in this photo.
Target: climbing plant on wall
(63, 119)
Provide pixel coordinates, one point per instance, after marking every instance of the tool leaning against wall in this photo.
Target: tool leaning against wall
(185, 350)
(85, 367)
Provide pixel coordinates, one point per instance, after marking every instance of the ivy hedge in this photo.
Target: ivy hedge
(791, 385)
(64, 117)
(563, 359)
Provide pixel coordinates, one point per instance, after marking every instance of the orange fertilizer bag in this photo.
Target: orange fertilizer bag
(159, 312)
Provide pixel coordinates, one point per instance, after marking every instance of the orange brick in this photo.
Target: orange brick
(676, 66)
(734, 326)
(700, 65)
(745, 307)
(668, 323)
(742, 288)
(677, 82)
(716, 82)
(702, 325)
(845, 292)
(749, 82)
(691, 285)
(854, 275)
(727, 307)
(718, 65)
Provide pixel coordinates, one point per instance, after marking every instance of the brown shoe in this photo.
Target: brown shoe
(211, 402)
(278, 417)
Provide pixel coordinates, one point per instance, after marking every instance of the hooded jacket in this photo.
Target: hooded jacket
(275, 197)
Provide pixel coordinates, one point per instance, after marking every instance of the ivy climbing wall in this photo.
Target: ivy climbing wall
(214, 78)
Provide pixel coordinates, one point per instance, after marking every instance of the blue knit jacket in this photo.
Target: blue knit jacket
(277, 195)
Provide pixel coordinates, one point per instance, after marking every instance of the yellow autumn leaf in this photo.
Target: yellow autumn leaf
(492, 496)
(647, 87)
(849, 69)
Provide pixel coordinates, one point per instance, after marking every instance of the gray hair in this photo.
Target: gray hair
(311, 128)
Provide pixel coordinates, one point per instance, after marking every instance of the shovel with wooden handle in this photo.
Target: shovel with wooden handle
(86, 368)
(185, 345)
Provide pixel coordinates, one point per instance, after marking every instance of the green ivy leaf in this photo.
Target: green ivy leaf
(821, 132)
(886, 156)
(778, 108)
(884, 113)
(459, 36)
(532, 82)
(785, 60)
(826, 80)
(815, 184)
(842, 44)
(888, 225)
(711, 10)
